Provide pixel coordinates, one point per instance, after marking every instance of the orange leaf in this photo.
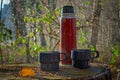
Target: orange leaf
(27, 72)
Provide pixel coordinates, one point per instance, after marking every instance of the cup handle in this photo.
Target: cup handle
(64, 57)
(97, 54)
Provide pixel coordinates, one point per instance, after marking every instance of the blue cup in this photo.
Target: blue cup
(81, 57)
(49, 61)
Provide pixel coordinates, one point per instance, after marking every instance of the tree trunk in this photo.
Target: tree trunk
(42, 36)
(115, 22)
(52, 6)
(1, 54)
(95, 22)
(18, 9)
(28, 51)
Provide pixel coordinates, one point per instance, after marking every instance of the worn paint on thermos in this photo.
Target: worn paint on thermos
(67, 33)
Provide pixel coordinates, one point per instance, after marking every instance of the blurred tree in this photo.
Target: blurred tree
(95, 22)
(115, 24)
(1, 25)
(115, 19)
(51, 7)
(19, 12)
(37, 21)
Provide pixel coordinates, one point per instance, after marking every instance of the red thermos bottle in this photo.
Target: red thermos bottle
(67, 33)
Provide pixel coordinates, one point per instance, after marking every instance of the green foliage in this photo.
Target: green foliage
(1, 35)
(35, 48)
(12, 57)
(47, 18)
(48, 29)
(92, 48)
(38, 30)
(87, 23)
(78, 23)
(26, 19)
(32, 34)
(116, 52)
(83, 39)
(113, 59)
(57, 11)
(87, 3)
(38, 48)
(24, 40)
(39, 7)
(5, 34)
(34, 18)
(101, 2)
(31, 19)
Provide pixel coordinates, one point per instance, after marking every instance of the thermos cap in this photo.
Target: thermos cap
(67, 9)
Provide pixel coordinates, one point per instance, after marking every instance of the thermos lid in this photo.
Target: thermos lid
(67, 9)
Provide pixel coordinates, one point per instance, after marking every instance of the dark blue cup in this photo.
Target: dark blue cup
(49, 61)
(81, 57)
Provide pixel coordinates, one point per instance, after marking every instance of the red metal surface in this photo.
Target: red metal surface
(67, 38)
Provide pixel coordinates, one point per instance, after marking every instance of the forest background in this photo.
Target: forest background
(37, 28)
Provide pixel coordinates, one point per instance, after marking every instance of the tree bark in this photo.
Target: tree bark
(42, 37)
(1, 54)
(115, 22)
(52, 6)
(28, 51)
(18, 9)
(95, 22)
(41, 34)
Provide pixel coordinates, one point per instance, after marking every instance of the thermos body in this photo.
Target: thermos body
(67, 33)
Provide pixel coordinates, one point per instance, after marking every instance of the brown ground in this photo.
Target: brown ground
(11, 72)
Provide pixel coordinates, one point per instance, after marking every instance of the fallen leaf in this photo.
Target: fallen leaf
(26, 72)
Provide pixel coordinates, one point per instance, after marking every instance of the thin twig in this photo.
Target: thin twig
(55, 45)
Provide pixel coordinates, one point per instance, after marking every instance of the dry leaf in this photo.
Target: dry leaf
(27, 72)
